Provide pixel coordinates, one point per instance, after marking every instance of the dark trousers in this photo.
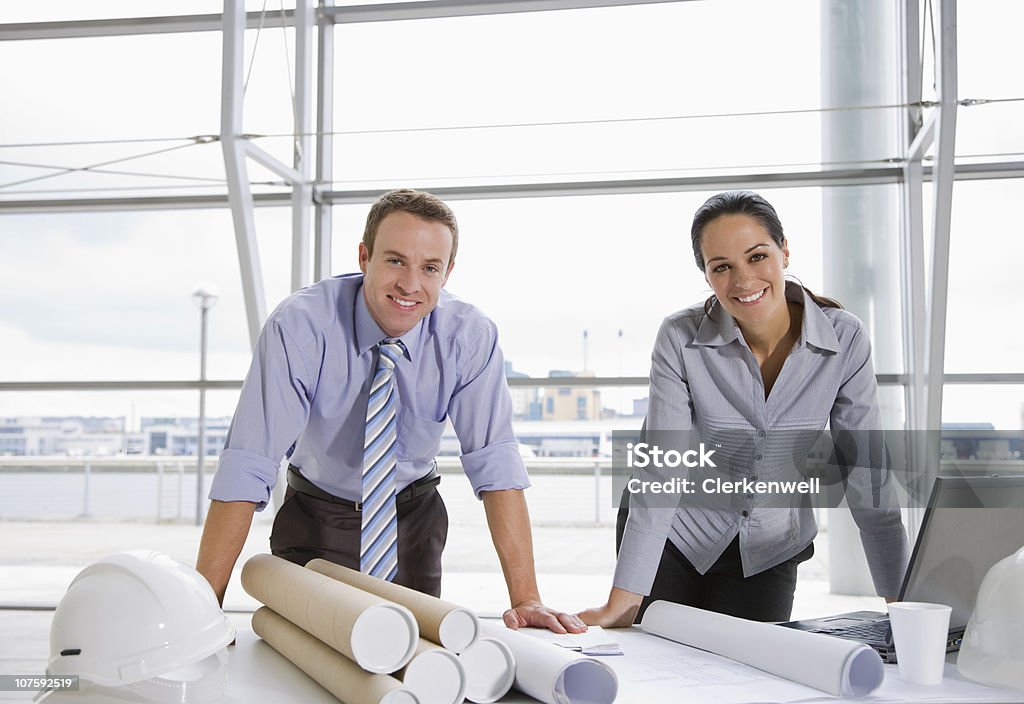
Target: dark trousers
(307, 527)
(765, 596)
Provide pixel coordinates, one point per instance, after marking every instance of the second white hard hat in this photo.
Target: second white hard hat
(992, 651)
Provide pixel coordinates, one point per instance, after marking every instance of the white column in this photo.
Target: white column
(860, 229)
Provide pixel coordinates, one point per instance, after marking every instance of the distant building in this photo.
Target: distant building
(640, 406)
(75, 436)
(525, 399)
(571, 402)
(27, 436)
(572, 438)
(180, 436)
(72, 436)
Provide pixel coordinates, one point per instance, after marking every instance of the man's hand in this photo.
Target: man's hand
(619, 612)
(509, 522)
(535, 614)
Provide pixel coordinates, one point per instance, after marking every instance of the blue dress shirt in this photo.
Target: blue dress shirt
(305, 397)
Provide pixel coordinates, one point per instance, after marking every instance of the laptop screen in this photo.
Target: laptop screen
(971, 523)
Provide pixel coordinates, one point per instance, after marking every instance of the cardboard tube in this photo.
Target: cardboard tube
(445, 623)
(490, 670)
(332, 670)
(434, 675)
(378, 635)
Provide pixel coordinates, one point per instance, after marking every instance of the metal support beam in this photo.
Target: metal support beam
(370, 12)
(945, 136)
(832, 177)
(237, 147)
(916, 137)
(271, 162)
(323, 238)
(895, 174)
(435, 9)
(302, 189)
(127, 26)
(591, 382)
(234, 145)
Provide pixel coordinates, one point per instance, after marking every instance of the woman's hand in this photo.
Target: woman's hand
(619, 612)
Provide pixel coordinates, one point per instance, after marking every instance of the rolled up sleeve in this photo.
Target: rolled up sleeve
(272, 411)
(495, 467)
(481, 413)
(244, 476)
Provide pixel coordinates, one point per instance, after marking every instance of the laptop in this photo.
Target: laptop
(970, 523)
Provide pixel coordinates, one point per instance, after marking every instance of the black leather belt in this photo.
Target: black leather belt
(417, 488)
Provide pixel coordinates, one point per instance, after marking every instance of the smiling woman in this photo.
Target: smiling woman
(730, 221)
(760, 360)
(739, 244)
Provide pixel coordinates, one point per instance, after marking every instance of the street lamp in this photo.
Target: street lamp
(205, 296)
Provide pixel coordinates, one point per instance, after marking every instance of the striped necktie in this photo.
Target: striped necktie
(378, 553)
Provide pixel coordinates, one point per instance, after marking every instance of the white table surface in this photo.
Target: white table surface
(257, 674)
(651, 670)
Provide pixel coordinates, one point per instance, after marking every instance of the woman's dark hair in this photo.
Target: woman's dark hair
(742, 203)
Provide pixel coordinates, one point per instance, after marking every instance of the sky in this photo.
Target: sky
(107, 295)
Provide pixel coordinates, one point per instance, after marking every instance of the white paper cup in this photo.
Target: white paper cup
(920, 632)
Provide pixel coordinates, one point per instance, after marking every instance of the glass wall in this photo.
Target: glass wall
(991, 130)
(108, 295)
(688, 90)
(692, 88)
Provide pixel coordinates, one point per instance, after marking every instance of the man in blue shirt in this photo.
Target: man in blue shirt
(306, 397)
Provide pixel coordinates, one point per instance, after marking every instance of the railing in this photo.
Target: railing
(116, 486)
(38, 493)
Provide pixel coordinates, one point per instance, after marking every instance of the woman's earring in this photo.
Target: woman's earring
(785, 262)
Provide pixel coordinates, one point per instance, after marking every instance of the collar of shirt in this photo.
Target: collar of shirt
(817, 330)
(368, 332)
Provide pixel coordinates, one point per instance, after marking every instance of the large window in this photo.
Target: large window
(651, 107)
(989, 131)
(982, 332)
(107, 296)
(639, 91)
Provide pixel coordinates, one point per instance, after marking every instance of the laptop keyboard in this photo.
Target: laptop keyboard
(872, 630)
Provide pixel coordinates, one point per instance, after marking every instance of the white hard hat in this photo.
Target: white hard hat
(992, 651)
(134, 616)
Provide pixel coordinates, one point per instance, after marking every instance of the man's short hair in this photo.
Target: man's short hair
(419, 203)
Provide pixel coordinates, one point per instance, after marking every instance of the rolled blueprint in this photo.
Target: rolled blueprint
(332, 670)
(555, 675)
(440, 621)
(378, 635)
(434, 675)
(839, 667)
(490, 670)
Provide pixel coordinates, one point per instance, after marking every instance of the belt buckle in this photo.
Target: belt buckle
(357, 505)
